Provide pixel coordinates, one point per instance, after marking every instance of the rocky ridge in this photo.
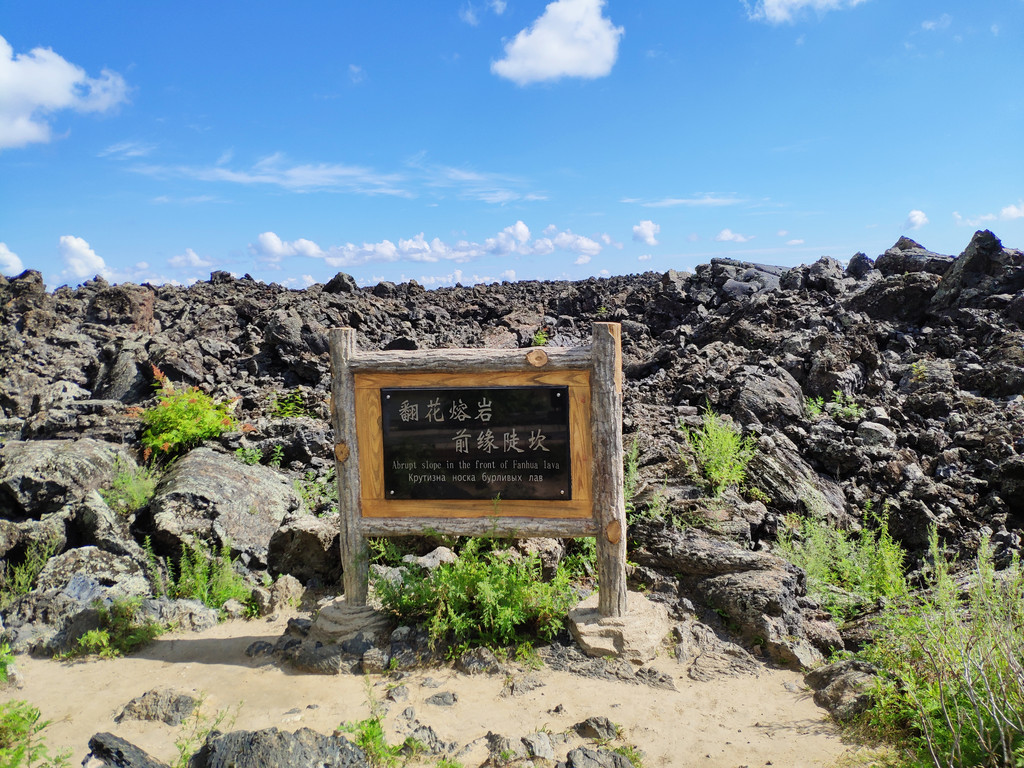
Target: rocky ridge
(929, 347)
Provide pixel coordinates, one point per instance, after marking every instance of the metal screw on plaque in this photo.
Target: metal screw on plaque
(387, 397)
(391, 492)
(562, 493)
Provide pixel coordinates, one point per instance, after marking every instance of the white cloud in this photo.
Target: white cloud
(567, 241)
(644, 257)
(272, 249)
(512, 240)
(468, 14)
(915, 220)
(646, 231)
(584, 259)
(498, 6)
(782, 232)
(974, 221)
(995, 30)
(779, 11)
(797, 241)
(356, 73)
(570, 39)
(81, 260)
(728, 236)
(276, 170)
(1012, 212)
(189, 259)
(688, 202)
(940, 23)
(127, 149)
(10, 264)
(37, 84)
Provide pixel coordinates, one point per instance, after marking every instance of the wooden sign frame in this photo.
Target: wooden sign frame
(597, 507)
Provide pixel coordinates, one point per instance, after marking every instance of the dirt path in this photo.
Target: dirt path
(746, 721)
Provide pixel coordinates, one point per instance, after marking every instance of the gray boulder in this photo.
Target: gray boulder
(306, 547)
(109, 751)
(41, 476)
(909, 256)
(271, 747)
(163, 704)
(50, 619)
(214, 498)
(843, 688)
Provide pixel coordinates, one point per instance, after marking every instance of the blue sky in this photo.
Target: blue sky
(480, 140)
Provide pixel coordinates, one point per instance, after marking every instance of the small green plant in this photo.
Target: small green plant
(18, 580)
(132, 488)
(919, 372)
(447, 762)
(845, 573)
(250, 456)
(721, 453)
(631, 753)
(292, 405)
(201, 575)
(276, 456)
(122, 629)
(6, 660)
(815, 407)
(580, 562)
(953, 666)
(846, 407)
(602, 311)
(491, 599)
(656, 508)
(369, 737)
(319, 496)
(197, 727)
(182, 418)
(753, 493)
(541, 337)
(21, 739)
(385, 551)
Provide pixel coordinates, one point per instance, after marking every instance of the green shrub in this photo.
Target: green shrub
(846, 407)
(288, 406)
(541, 337)
(197, 727)
(844, 572)
(318, 495)
(122, 629)
(21, 740)
(631, 474)
(6, 659)
(182, 418)
(721, 453)
(131, 489)
(815, 406)
(18, 580)
(954, 667)
(491, 599)
(201, 575)
(250, 456)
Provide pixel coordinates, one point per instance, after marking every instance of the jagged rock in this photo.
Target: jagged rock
(307, 548)
(184, 615)
(164, 704)
(984, 268)
(598, 727)
(585, 757)
(843, 688)
(908, 256)
(707, 656)
(109, 751)
(258, 749)
(41, 476)
(214, 498)
(61, 608)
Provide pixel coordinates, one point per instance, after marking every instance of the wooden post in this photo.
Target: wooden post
(355, 560)
(609, 502)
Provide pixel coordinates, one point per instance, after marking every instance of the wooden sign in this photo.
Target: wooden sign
(481, 442)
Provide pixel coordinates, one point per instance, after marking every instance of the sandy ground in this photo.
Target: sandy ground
(747, 721)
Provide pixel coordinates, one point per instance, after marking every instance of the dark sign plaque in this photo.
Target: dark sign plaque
(476, 443)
